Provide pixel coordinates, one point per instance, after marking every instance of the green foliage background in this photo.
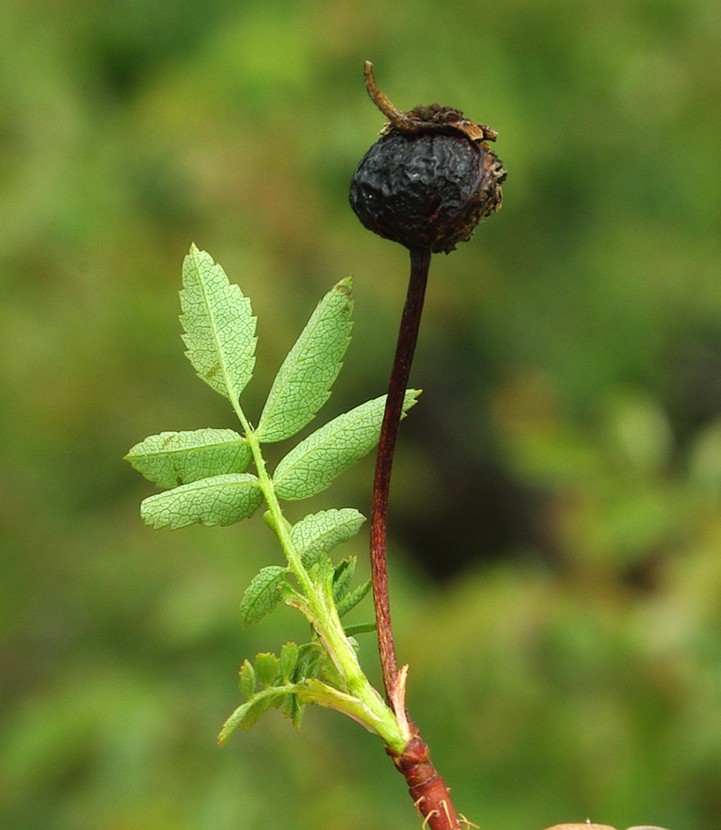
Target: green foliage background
(573, 347)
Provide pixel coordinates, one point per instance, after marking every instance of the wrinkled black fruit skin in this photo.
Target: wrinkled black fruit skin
(426, 190)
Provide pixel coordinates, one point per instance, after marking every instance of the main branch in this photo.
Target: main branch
(405, 348)
(427, 788)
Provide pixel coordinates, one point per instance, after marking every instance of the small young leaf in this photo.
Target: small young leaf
(293, 709)
(343, 578)
(267, 668)
(173, 458)
(303, 674)
(292, 597)
(263, 594)
(311, 466)
(320, 532)
(220, 500)
(219, 326)
(303, 382)
(351, 599)
(360, 628)
(248, 713)
(311, 662)
(246, 678)
(321, 572)
(288, 661)
(260, 703)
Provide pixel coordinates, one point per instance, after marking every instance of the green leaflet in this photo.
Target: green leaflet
(311, 466)
(311, 661)
(220, 500)
(320, 532)
(288, 661)
(173, 458)
(267, 668)
(219, 326)
(303, 382)
(263, 594)
(248, 713)
(246, 679)
(352, 598)
(343, 578)
(360, 628)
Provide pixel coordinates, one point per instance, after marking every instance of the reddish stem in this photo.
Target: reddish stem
(427, 788)
(405, 348)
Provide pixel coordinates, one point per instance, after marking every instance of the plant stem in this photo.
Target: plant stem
(427, 789)
(405, 348)
(362, 702)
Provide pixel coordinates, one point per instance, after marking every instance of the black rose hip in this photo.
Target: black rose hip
(430, 178)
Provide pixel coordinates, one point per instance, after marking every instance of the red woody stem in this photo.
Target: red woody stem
(427, 788)
(407, 337)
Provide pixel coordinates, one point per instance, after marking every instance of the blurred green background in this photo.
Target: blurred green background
(556, 519)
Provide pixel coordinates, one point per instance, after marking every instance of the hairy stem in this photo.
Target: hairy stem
(407, 337)
(362, 702)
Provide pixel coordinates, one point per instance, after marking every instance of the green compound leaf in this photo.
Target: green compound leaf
(303, 382)
(263, 594)
(173, 458)
(313, 464)
(319, 533)
(219, 326)
(220, 500)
